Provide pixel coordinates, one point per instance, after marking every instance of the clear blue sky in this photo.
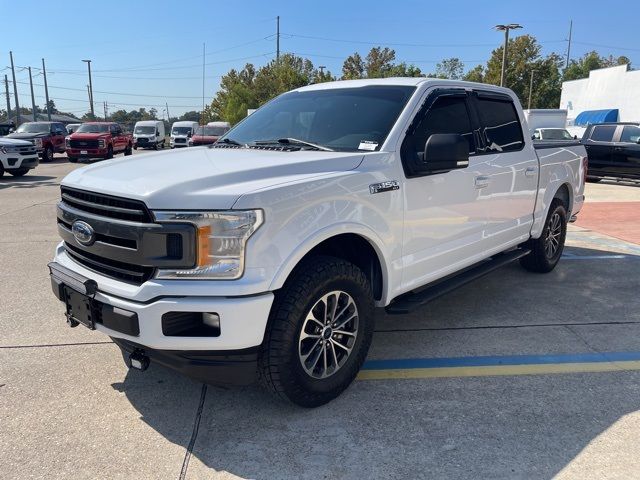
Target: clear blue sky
(152, 50)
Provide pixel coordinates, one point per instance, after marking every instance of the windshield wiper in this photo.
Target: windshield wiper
(294, 141)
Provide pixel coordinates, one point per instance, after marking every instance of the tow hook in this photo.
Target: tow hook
(138, 360)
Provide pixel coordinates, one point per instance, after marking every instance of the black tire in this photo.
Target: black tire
(47, 154)
(72, 159)
(109, 153)
(542, 258)
(19, 172)
(280, 364)
(155, 146)
(127, 151)
(162, 146)
(594, 179)
(1, 170)
(135, 147)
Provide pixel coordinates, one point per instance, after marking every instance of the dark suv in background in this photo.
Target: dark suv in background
(613, 150)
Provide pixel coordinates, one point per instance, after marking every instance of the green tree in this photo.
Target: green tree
(476, 74)
(379, 63)
(353, 67)
(581, 67)
(451, 68)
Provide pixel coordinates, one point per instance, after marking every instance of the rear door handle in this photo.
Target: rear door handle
(482, 181)
(530, 172)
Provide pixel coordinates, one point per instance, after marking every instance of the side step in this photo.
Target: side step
(411, 301)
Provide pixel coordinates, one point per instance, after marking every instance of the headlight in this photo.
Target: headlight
(101, 143)
(67, 142)
(221, 239)
(3, 150)
(37, 142)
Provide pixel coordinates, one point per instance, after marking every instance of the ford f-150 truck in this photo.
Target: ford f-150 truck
(264, 255)
(98, 140)
(48, 137)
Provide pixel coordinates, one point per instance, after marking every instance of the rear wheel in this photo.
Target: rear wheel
(319, 333)
(19, 172)
(1, 170)
(547, 250)
(72, 159)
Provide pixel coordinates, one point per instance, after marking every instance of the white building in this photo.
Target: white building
(606, 89)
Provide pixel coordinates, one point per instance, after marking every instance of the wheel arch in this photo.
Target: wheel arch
(357, 247)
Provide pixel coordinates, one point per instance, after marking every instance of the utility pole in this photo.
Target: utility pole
(88, 62)
(6, 92)
(278, 38)
(104, 106)
(569, 46)
(46, 91)
(531, 88)
(15, 90)
(167, 105)
(33, 99)
(204, 49)
(505, 28)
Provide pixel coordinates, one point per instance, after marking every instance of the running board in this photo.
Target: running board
(411, 301)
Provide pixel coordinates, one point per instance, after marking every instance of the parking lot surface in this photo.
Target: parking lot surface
(516, 375)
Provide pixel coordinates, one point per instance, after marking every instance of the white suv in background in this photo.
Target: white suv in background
(17, 157)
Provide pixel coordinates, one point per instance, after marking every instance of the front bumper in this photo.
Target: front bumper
(178, 142)
(14, 162)
(86, 153)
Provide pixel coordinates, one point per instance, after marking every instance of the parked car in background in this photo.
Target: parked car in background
(98, 140)
(17, 157)
(265, 255)
(7, 128)
(210, 133)
(148, 134)
(545, 118)
(48, 137)
(552, 134)
(613, 150)
(181, 133)
(72, 127)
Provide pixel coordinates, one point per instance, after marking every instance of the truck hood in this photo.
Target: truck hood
(28, 136)
(89, 136)
(12, 142)
(205, 178)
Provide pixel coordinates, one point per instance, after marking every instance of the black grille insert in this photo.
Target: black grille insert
(106, 205)
(129, 273)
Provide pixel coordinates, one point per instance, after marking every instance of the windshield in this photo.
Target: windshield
(208, 131)
(180, 130)
(556, 134)
(338, 118)
(145, 130)
(92, 128)
(34, 128)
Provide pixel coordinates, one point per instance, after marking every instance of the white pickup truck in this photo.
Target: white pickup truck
(264, 255)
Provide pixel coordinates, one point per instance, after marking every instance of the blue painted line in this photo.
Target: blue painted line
(404, 363)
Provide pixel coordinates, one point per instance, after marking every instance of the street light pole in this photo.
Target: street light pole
(88, 62)
(505, 28)
(531, 89)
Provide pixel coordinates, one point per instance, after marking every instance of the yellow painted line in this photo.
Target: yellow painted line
(498, 370)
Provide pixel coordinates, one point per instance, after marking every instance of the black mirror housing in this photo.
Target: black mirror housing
(444, 152)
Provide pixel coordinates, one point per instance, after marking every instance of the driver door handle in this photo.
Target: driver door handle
(482, 181)
(530, 171)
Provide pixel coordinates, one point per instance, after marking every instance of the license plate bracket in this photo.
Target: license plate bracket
(80, 309)
(83, 152)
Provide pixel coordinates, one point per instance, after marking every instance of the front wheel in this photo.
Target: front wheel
(319, 333)
(72, 159)
(47, 154)
(19, 172)
(109, 153)
(127, 151)
(547, 250)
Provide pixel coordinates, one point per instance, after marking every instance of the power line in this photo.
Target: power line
(111, 93)
(405, 61)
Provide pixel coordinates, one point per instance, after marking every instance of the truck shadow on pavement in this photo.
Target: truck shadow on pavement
(527, 426)
(28, 181)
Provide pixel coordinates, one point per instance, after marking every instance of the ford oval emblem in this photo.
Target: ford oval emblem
(83, 233)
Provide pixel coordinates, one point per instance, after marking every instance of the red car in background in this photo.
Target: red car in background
(208, 134)
(98, 140)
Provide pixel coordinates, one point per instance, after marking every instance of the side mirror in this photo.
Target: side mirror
(444, 152)
(189, 134)
(575, 137)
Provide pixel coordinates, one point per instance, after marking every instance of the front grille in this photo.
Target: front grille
(106, 205)
(181, 140)
(143, 140)
(83, 143)
(123, 271)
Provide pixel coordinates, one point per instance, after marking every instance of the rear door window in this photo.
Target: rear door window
(630, 134)
(500, 125)
(603, 133)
